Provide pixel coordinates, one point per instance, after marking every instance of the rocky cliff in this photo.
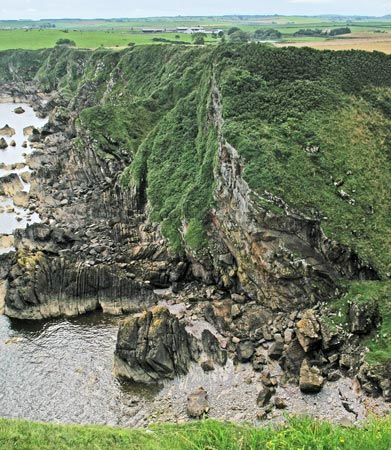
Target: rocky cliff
(211, 172)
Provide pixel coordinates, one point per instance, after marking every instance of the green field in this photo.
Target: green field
(297, 434)
(47, 38)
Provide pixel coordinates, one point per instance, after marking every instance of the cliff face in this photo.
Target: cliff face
(283, 260)
(161, 166)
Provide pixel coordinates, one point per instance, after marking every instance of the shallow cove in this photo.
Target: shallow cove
(57, 370)
(60, 371)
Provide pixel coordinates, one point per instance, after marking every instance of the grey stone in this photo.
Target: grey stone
(363, 316)
(244, 351)
(308, 331)
(208, 365)
(311, 381)
(197, 403)
(241, 299)
(276, 350)
(3, 144)
(264, 396)
(280, 403)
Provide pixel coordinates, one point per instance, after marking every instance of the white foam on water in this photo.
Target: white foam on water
(13, 160)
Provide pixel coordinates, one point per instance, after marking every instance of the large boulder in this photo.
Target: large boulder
(197, 403)
(152, 347)
(28, 131)
(7, 131)
(19, 110)
(308, 331)
(3, 144)
(21, 199)
(292, 358)
(311, 380)
(244, 351)
(264, 396)
(331, 336)
(6, 241)
(276, 350)
(10, 184)
(364, 317)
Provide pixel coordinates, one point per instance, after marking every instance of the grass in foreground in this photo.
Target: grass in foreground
(297, 434)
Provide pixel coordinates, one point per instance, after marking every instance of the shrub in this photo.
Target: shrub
(67, 42)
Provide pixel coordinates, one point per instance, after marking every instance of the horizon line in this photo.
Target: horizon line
(204, 16)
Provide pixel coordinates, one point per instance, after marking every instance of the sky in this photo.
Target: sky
(42, 9)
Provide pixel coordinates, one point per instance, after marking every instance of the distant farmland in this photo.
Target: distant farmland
(366, 34)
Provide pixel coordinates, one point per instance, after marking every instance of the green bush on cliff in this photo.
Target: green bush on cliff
(66, 42)
(116, 130)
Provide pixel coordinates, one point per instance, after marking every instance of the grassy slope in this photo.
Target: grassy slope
(277, 104)
(303, 434)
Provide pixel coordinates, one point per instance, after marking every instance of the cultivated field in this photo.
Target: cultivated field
(354, 41)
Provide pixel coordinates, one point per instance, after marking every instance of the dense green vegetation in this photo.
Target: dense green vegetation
(314, 130)
(319, 32)
(66, 42)
(303, 434)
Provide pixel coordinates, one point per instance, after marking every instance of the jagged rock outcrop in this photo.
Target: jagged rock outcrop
(375, 379)
(308, 331)
(152, 347)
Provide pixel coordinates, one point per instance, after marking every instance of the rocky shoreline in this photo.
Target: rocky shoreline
(245, 321)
